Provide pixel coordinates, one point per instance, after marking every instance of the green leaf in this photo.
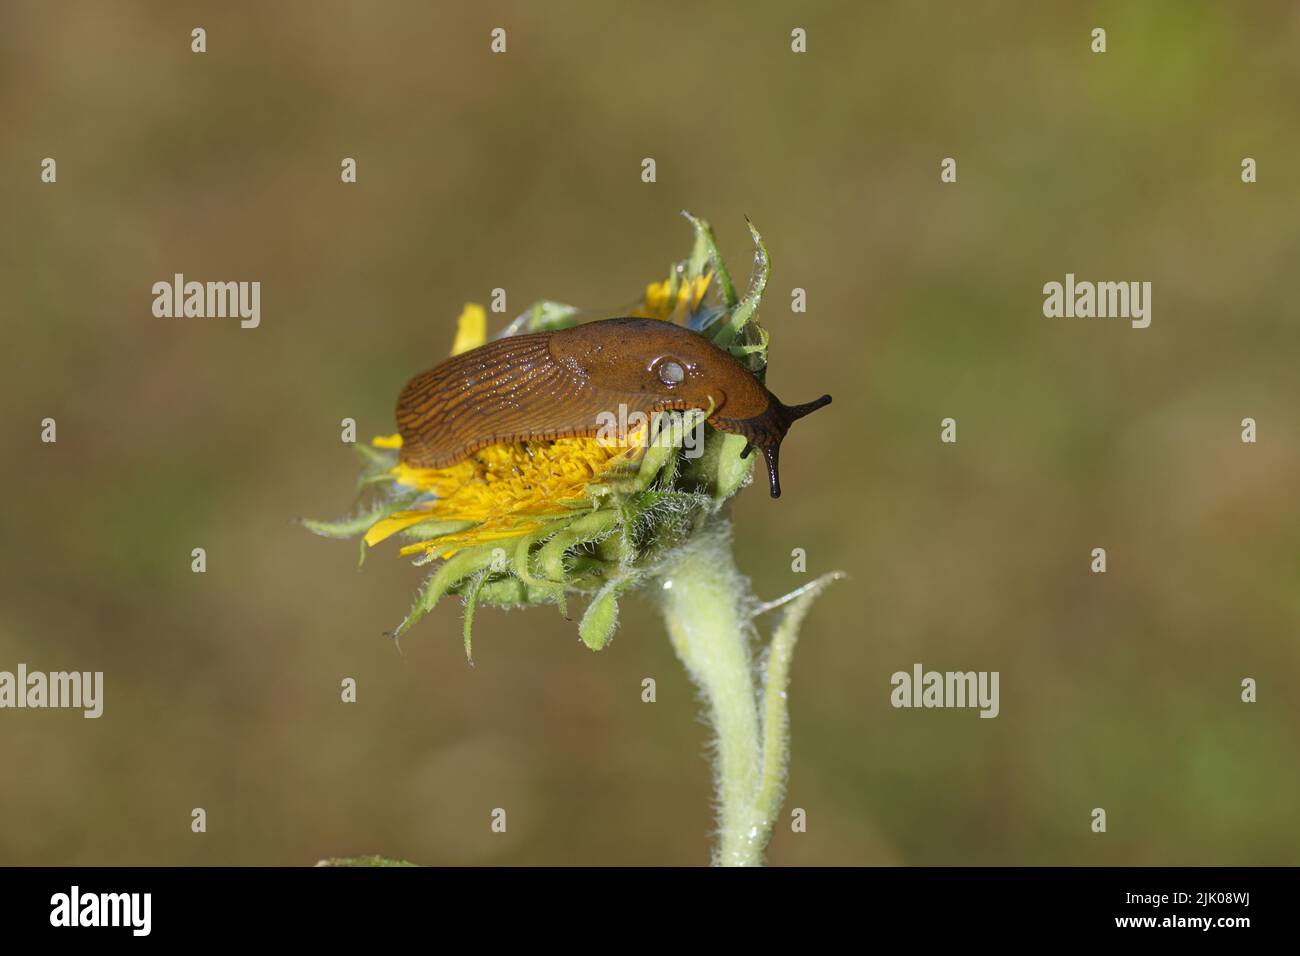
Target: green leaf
(776, 720)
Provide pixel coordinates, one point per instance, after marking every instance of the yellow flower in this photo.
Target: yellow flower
(526, 524)
(503, 491)
(674, 299)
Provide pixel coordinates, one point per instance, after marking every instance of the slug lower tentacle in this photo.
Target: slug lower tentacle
(561, 384)
(771, 429)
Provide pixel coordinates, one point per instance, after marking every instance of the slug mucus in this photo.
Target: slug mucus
(546, 385)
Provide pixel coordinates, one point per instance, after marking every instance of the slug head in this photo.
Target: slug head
(649, 363)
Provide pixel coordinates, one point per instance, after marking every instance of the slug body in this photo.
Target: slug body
(546, 385)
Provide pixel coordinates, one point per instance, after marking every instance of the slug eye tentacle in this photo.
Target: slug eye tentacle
(792, 413)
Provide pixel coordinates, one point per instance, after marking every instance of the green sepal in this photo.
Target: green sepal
(374, 460)
(737, 334)
(471, 602)
(706, 250)
(512, 592)
(361, 523)
(600, 620)
(428, 530)
(720, 472)
(543, 316)
(452, 572)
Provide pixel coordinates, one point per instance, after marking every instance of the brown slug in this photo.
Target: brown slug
(545, 385)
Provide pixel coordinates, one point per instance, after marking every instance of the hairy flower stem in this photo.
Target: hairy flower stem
(706, 605)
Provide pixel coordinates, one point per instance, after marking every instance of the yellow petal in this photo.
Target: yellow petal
(471, 329)
(387, 527)
(457, 540)
(507, 490)
(387, 441)
(671, 300)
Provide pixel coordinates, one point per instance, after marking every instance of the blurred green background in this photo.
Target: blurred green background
(523, 171)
